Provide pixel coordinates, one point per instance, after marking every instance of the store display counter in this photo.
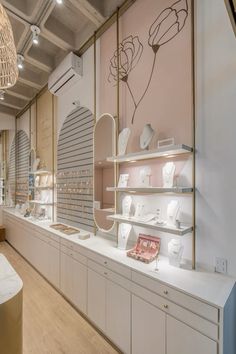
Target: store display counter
(10, 309)
(112, 289)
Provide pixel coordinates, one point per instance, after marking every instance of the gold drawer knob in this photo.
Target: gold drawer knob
(166, 292)
(165, 306)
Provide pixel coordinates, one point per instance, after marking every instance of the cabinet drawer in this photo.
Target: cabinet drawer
(109, 264)
(77, 256)
(191, 319)
(107, 273)
(197, 306)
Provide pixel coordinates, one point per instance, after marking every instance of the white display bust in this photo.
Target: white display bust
(123, 141)
(146, 136)
(173, 209)
(168, 173)
(126, 205)
(175, 252)
(123, 235)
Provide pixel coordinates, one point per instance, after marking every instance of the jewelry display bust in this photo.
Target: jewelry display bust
(144, 177)
(123, 235)
(123, 180)
(173, 209)
(126, 205)
(175, 252)
(146, 136)
(123, 141)
(168, 173)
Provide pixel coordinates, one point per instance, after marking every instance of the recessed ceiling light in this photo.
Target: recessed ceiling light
(59, 2)
(36, 31)
(20, 61)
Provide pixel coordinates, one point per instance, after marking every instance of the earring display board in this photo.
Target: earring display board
(19, 168)
(75, 170)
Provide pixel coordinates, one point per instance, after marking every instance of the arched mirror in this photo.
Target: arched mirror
(104, 172)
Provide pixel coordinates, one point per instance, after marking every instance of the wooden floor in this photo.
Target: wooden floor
(51, 324)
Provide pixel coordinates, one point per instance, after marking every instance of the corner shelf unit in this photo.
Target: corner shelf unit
(161, 190)
(163, 228)
(169, 151)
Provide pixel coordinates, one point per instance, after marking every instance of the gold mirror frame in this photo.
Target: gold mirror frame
(112, 152)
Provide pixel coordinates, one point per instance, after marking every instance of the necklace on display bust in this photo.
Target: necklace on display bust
(168, 173)
(146, 136)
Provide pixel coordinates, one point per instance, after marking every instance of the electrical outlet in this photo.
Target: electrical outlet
(221, 265)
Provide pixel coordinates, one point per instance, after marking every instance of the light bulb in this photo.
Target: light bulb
(36, 39)
(2, 97)
(59, 2)
(20, 60)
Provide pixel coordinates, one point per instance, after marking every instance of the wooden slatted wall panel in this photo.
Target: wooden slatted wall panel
(75, 170)
(12, 171)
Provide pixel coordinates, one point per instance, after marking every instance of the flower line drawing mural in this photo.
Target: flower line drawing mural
(167, 25)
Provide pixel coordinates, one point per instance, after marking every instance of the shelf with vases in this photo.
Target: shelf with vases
(174, 190)
(183, 230)
(169, 151)
(40, 202)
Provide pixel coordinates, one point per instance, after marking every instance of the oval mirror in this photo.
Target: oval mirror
(104, 172)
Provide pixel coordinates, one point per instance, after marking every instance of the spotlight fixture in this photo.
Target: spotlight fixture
(2, 95)
(59, 2)
(20, 60)
(36, 31)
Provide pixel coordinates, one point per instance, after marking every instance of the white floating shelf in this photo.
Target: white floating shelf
(151, 154)
(178, 190)
(163, 228)
(40, 172)
(40, 202)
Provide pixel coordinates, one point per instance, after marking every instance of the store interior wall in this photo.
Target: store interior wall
(215, 118)
(216, 127)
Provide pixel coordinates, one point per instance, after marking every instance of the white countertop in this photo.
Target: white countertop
(210, 287)
(10, 282)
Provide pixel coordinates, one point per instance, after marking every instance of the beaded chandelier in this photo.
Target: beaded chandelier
(8, 56)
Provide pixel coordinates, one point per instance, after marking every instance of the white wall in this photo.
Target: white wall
(7, 121)
(216, 134)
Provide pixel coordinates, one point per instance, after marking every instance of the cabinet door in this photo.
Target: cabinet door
(118, 315)
(148, 328)
(74, 281)
(185, 340)
(53, 265)
(97, 299)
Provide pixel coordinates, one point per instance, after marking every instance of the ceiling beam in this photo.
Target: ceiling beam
(18, 95)
(11, 105)
(89, 11)
(29, 83)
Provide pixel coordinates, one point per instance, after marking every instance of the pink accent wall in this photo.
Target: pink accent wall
(167, 104)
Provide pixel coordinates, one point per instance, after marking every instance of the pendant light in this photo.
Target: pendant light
(8, 56)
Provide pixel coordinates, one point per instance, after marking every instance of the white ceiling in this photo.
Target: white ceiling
(63, 28)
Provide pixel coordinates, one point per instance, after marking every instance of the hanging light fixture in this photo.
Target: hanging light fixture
(20, 61)
(8, 57)
(36, 31)
(2, 95)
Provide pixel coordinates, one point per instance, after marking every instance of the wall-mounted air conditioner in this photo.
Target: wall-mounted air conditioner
(66, 74)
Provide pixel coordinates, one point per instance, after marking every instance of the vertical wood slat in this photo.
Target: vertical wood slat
(75, 170)
(19, 167)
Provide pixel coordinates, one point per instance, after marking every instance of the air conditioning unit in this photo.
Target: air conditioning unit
(66, 74)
